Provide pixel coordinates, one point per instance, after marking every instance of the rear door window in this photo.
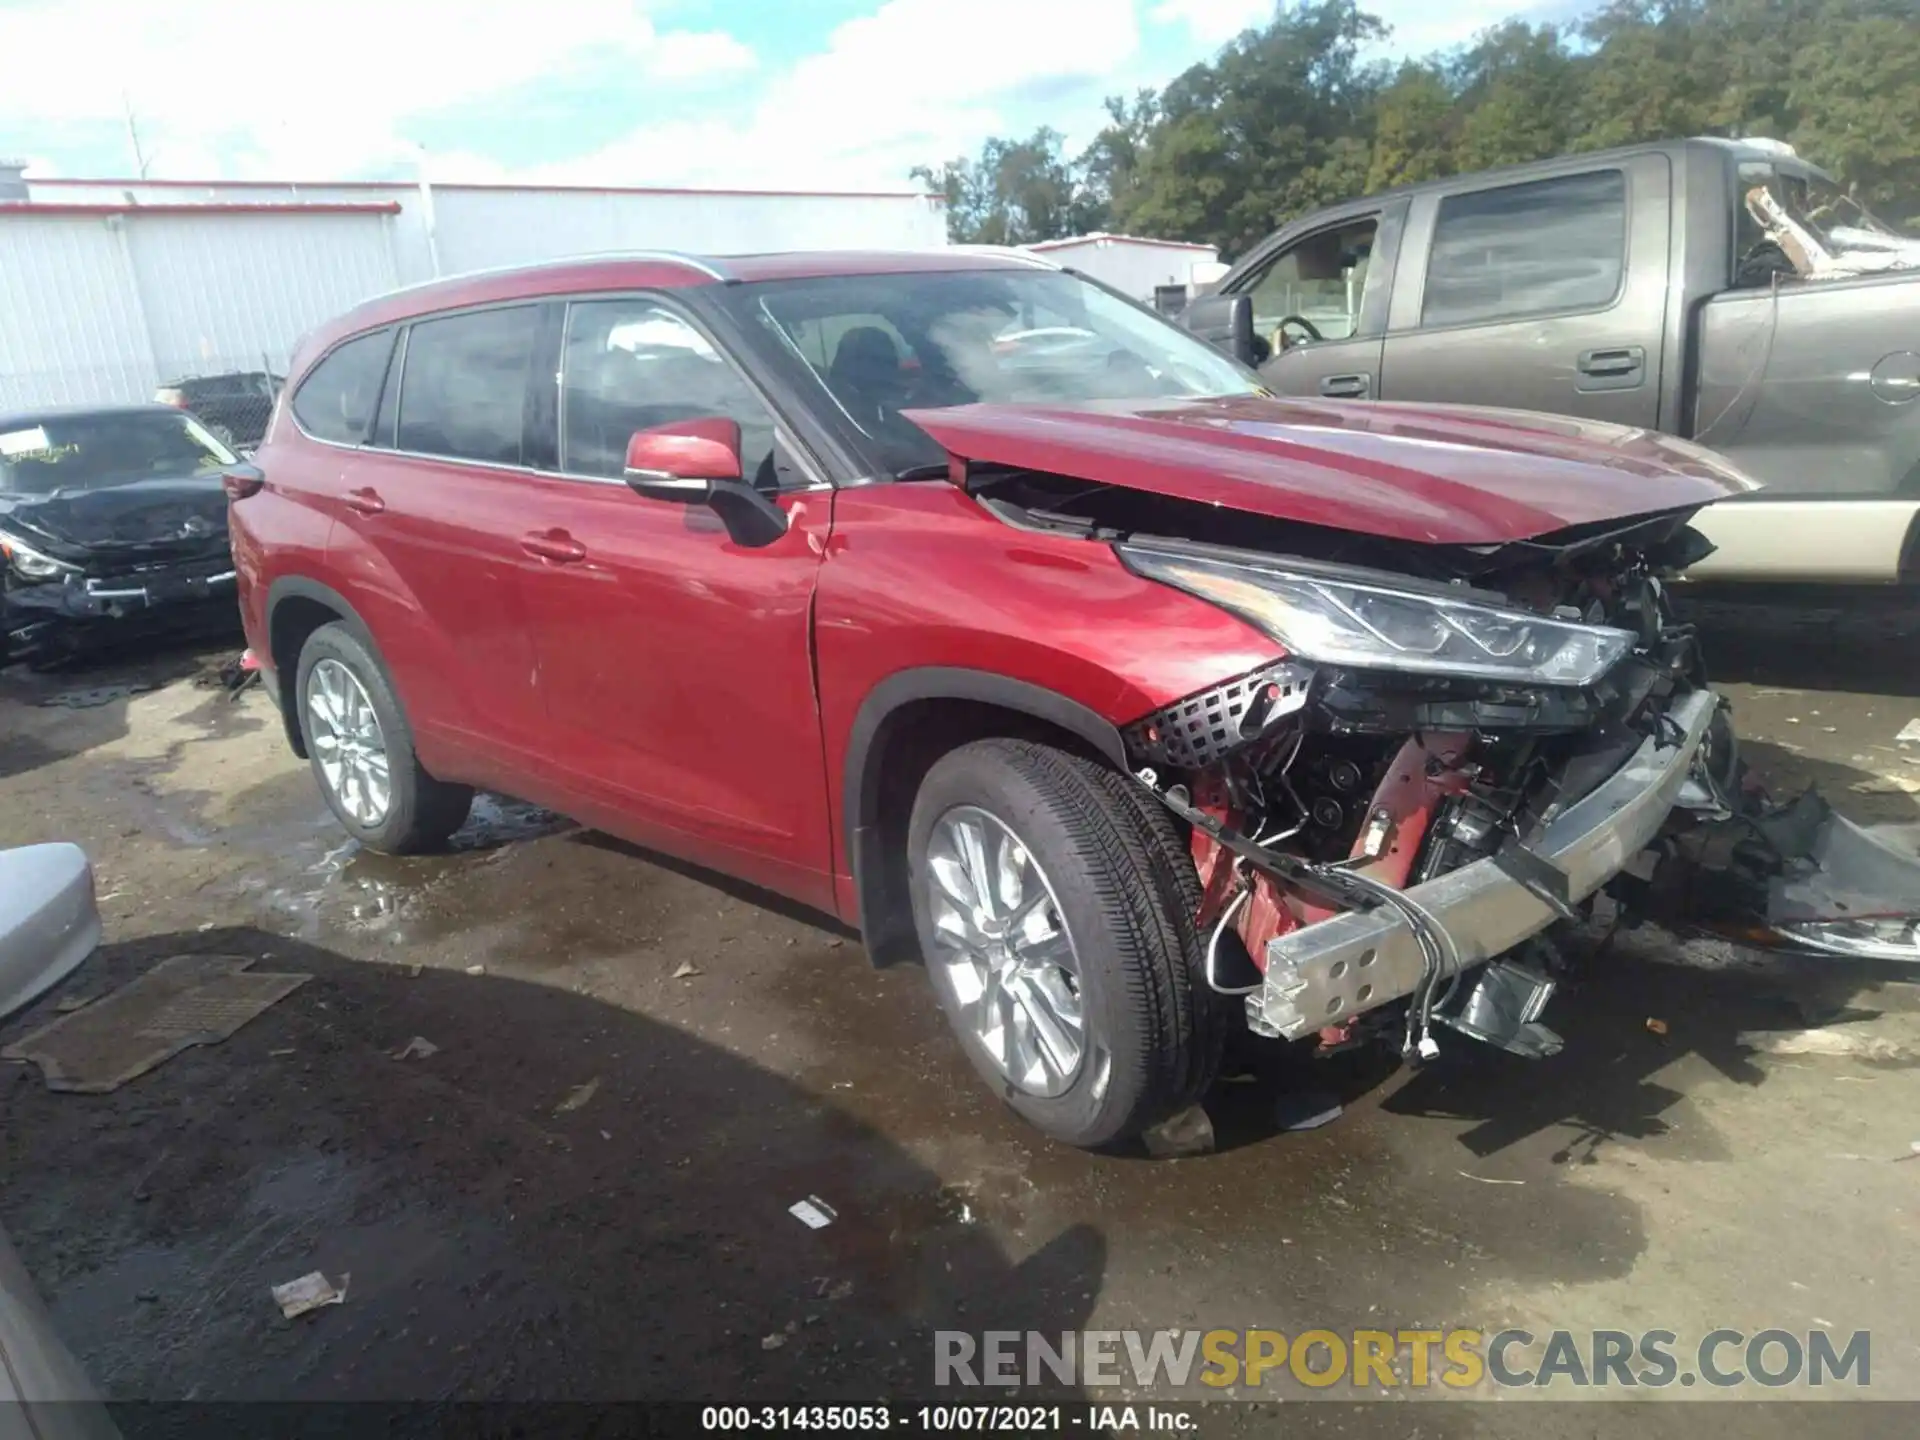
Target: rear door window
(463, 392)
(1532, 249)
(335, 402)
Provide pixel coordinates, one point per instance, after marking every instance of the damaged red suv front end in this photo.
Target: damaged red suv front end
(1480, 711)
(1179, 702)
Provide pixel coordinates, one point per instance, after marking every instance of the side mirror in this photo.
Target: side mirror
(1226, 321)
(697, 462)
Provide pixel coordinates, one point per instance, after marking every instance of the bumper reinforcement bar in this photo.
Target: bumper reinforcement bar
(1357, 961)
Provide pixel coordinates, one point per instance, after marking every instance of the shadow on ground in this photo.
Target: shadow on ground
(1625, 1019)
(564, 1201)
(64, 712)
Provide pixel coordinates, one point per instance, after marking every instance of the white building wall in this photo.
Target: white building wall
(478, 228)
(235, 292)
(105, 307)
(1133, 267)
(475, 227)
(71, 329)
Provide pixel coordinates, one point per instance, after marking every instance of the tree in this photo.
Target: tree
(1292, 116)
(1516, 89)
(1412, 129)
(1017, 192)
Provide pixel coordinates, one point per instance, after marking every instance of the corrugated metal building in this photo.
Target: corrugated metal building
(109, 288)
(1162, 273)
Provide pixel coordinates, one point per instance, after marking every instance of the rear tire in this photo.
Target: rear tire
(1122, 894)
(361, 748)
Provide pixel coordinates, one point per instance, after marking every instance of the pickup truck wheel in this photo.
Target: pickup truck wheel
(361, 749)
(1056, 932)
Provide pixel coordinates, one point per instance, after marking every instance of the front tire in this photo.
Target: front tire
(1058, 934)
(361, 749)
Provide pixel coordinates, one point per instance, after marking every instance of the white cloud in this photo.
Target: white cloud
(697, 54)
(328, 88)
(1421, 27)
(916, 81)
(1213, 22)
(238, 87)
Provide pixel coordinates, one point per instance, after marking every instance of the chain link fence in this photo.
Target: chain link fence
(232, 395)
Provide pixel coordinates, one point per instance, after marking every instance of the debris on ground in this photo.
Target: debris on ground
(687, 970)
(1487, 1179)
(184, 1000)
(578, 1096)
(232, 675)
(1656, 1025)
(813, 1212)
(1188, 1133)
(99, 695)
(1307, 1110)
(418, 1048)
(773, 1341)
(67, 1004)
(476, 969)
(1909, 734)
(310, 1292)
(1854, 1041)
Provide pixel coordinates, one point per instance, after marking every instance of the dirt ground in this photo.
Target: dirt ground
(1738, 1170)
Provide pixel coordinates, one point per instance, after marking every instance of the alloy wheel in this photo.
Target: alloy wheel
(1004, 949)
(348, 743)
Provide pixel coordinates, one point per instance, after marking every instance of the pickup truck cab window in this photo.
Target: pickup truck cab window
(1313, 290)
(1535, 249)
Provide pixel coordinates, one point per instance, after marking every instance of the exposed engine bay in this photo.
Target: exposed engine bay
(1465, 744)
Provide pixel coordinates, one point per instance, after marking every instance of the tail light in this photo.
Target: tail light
(168, 395)
(242, 480)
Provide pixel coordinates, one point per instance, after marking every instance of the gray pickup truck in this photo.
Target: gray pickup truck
(1725, 292)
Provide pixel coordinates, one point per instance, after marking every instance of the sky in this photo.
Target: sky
(778, 94)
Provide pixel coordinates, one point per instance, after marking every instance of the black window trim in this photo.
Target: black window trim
(1621, 168)
(405, 325)
(784, 434)
(389, 329)
(536, 303)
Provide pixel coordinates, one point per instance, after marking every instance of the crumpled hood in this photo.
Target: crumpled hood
(1437, 474)
(183, 513)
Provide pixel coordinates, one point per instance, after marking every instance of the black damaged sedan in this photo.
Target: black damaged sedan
(113, 526)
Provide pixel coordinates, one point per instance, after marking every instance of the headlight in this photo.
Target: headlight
(30, 564)
(1373, 627)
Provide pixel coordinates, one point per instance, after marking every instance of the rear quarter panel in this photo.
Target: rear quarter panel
(275, 533)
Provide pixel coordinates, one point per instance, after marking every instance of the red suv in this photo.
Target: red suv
(960, 597)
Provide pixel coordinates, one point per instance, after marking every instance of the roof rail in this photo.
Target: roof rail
(673, 257)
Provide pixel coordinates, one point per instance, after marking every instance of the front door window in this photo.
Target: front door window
(1313, 290)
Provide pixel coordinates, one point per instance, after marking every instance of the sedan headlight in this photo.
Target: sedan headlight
(1375, 627)
(30, 564)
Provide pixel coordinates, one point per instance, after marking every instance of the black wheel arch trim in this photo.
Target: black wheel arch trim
(298, 587)
(886, 921)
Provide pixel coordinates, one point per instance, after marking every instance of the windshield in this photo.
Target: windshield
(61, 454)
(881, 344)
